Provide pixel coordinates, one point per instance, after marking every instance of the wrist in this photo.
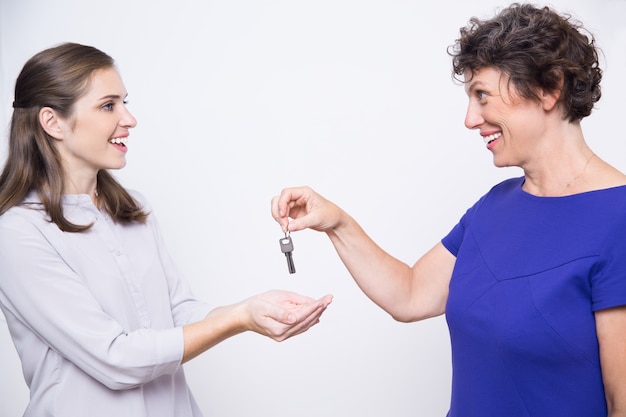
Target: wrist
(230, 319)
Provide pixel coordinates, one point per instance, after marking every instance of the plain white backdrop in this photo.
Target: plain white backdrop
(236, 100)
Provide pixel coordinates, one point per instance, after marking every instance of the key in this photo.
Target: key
(286, 246)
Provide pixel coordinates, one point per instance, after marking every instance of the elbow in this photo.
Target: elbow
(411, 315)
(120, 385)
(130, 362)
(406, 318)
(121, 376)
(400, 316)
(128, 381)
(122, 380)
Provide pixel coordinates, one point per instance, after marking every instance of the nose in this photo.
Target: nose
(473, 116)
(128, 120)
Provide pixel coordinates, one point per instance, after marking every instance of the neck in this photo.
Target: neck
(90, 187)
(566, 175)
(560, 163)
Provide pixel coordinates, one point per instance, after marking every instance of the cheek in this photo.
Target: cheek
(95, 131)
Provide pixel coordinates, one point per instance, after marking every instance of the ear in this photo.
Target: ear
(51, 123)
(549, 99)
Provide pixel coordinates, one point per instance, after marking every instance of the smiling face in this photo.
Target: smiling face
(511, 126)
(94, 136)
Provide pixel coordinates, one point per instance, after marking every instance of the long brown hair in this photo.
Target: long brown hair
(56, 77)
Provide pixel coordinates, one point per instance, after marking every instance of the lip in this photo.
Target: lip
(491, 137)
(119, 143)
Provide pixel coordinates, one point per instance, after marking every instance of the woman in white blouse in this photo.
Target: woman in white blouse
(100, 317)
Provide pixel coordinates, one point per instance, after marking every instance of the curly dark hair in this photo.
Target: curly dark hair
(539, 50)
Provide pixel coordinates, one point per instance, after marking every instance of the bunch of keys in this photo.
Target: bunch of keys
(286, 246)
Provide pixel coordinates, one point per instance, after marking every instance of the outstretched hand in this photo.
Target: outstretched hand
(276, 314)
(282, 314)
(306, 208)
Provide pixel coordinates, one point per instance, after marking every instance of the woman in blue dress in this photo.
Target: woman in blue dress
(532, 279)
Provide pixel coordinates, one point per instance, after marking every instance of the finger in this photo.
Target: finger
(292, 197)
(301, 223)
(305, 324)
(327, 299)
(283, 203)
(305, 313)
(280, 218)
(295, 298)
(282, 315)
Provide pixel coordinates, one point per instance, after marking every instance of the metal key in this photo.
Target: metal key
(286, 246)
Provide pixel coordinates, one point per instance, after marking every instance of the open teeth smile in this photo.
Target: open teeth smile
(493, 137)
(118, 141)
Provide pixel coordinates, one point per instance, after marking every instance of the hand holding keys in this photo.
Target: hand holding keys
(286, 246)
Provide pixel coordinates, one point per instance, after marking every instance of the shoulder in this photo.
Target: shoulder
(23, 226)
(29, 212)
(495, 194)
(508, 187)
(605, 176)
(140, 198)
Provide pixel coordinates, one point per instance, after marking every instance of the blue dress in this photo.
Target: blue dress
(530, 272)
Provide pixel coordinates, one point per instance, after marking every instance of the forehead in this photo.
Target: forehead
(485, 78)
(106, 82)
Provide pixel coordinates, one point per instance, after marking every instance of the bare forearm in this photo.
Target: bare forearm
(406, 293)
(383, 278)
(219, 325)
(276, 314)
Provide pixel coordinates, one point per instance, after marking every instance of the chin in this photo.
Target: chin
(500, 163)
(119, 165)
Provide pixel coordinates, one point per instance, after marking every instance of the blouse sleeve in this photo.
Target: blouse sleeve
(47, 300)
(185, 307)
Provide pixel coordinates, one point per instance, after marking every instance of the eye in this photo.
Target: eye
(108, 107)
(481, 95)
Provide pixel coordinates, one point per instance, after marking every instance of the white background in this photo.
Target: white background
(238, 99)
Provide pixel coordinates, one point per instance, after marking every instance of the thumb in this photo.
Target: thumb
(283, 316)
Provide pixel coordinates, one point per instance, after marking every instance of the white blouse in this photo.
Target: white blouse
(95, 316)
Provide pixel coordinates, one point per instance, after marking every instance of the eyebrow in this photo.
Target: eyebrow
(474, 85)
(113, 97)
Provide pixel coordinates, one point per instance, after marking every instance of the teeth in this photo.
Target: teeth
(489, 138)
(118, 141)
